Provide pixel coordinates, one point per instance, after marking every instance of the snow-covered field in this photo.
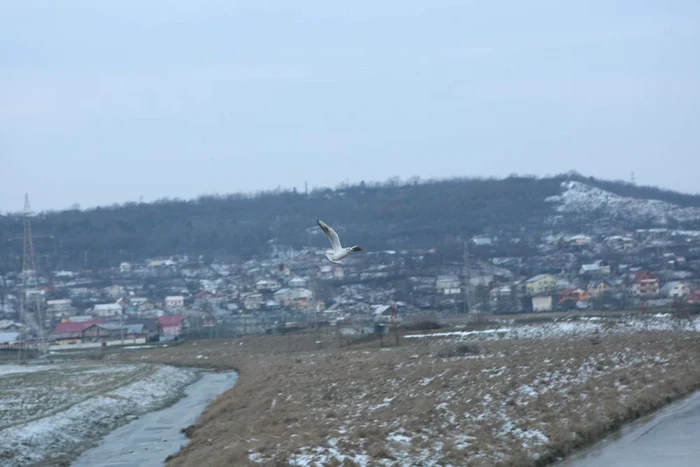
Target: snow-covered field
(579, 197)
(58, 411)
(513, 395)
(581, 326)
(506, 395)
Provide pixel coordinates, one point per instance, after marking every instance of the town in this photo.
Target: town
(170, 298)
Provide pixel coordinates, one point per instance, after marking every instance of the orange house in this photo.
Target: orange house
(574, 295)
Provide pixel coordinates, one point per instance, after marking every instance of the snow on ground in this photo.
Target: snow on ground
(579, 197)
(60, 410)
(509, 403)
(574, 327)
(14, 369)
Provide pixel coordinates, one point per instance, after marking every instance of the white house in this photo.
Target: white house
(597, 267)
(675, 289)
(448, 285)
(542, 303)
(297, 282)
(382, 313)
(174, 301)
(267, 285)
(105, 310)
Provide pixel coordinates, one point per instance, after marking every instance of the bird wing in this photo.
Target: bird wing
(332, 235)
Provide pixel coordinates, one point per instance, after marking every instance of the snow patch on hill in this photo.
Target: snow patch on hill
(581, 198)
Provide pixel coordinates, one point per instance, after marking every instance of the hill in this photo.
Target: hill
(376, 215)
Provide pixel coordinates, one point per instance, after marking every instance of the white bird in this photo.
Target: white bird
(338, 252)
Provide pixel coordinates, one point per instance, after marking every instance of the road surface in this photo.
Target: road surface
(668, 438)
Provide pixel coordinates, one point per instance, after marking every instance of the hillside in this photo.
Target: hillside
(379, 215)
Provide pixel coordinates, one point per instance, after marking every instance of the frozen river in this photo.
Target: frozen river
(149, 440)
(668, 438)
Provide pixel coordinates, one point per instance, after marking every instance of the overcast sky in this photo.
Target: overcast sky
(108, 101)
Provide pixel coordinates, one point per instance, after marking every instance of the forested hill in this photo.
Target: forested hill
(379, 215)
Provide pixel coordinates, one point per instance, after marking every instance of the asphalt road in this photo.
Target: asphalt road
(668, 438)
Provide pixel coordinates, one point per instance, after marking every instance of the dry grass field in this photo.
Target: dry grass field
(436, 400)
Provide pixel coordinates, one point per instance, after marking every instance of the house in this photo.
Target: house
(114, 291)
(149, 326)
(675, 289)
(480, 280)
(55, 306)
(619, 242)
(297, 282)
(298, 297)
(540, 284)
(71, 332)
(694, 297)
(542, 303)
(448, 285)
(174, 301)
(579, 240)
(481, 240)
(105, 310)
(267, 285)
(645, 283)
(171, 326)
(124, 267)
(383, 313)
(7, 325)
(9, 338)
(80, 292)
(598, 289)
(253, 301)
(596, 268)
(140, 304)
(135, 331)
(573, 295)
(101, 332)
(501, 292)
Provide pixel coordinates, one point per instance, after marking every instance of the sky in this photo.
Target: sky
(110, 102)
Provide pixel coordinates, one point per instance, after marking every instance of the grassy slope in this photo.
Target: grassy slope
(488, 403)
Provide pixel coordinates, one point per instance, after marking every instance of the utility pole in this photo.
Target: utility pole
(467, 305)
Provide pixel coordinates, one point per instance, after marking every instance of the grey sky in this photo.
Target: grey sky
(103, 102)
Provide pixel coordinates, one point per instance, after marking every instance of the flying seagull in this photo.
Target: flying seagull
(338, 252)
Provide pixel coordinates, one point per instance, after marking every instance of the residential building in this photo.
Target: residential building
(448, 285)
(573, 295)
(645, 283)
(174, 301)
(540, 284)
(267, 285)
(597, 289)
(675, 289)
(171, 326)
(297, 282)
(105, 310)
(542, 303)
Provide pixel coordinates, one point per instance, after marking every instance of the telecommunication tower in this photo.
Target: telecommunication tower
(31, 303)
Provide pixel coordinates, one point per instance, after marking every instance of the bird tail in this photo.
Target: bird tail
(356, 248)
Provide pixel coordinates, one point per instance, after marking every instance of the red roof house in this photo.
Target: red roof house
(70, 328)
(171, 325)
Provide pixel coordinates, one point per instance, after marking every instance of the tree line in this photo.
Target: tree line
(392, 214)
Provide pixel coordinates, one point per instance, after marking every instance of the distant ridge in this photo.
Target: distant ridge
(392, 214)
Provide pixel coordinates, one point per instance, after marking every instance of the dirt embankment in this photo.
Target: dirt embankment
(448, 400)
